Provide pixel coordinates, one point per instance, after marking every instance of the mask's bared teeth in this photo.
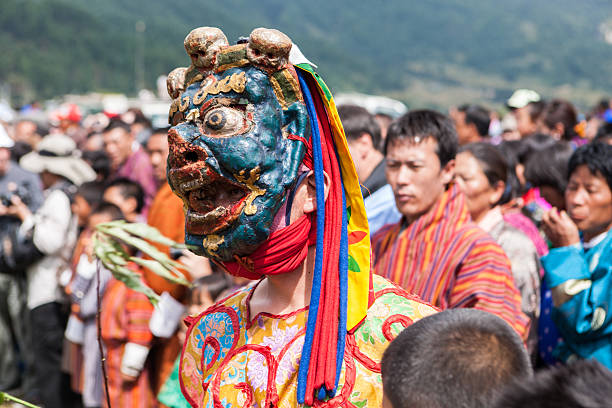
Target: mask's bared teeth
(191, 185)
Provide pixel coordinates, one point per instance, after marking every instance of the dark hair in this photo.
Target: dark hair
(99, 162)
(582, 384)
(161, 131)
(117, 123)
(596, 156)
(535, 144)
(418, 125)
(493, 165)
(19, 150)
(215, 283)
(561, 111)
(357, 121)
(510, 149)
(479, 116)
(104, 207)
(455, 358)
(129, 189)
(535, 110)
(552, 171)
(92, 192)
(604, 133)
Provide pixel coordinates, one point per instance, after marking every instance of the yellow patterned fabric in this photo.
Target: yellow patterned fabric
(231, 359)
(358, 230)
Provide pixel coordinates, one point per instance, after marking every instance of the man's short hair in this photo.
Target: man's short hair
(356, 121)
(581, 384)
(418, 125)
(129, 189)
(455, 358)
(117, 123)
(479, 116)
(597, 157)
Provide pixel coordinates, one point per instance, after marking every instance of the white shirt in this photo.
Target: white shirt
(55, 231)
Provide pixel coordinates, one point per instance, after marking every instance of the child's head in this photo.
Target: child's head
(455, 358)
(127, 195)
(206, 290)
(88, 196)
(104, 212)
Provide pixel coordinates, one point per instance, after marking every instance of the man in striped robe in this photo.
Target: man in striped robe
(435, 251)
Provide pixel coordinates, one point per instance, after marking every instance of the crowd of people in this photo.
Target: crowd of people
(466, 211)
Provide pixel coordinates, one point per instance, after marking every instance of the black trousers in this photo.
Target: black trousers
(48, 322)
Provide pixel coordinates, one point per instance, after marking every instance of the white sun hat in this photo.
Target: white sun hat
(58, 154)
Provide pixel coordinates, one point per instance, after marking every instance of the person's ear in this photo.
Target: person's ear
(497, 193)
(559, 129)
(448, 172)
(473, 129)
(131, 204)
(310, 201)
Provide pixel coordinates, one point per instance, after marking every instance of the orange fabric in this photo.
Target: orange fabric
(166, 214)
(125, 319)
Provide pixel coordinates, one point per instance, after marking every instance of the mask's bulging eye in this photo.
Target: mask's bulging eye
(224, 121)
(216, 120)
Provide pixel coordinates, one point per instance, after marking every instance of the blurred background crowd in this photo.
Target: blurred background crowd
(67, 169)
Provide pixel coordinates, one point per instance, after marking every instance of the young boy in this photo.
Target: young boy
(84, 356)
(455, 358)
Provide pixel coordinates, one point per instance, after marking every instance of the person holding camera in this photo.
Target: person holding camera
(13, 331)
(51, 233)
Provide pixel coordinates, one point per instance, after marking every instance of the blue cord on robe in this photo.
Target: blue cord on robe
(343, 273)
(315, 294)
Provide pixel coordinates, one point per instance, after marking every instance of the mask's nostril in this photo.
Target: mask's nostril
(191, 157)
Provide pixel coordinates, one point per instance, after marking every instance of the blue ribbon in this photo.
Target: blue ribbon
(315, 294)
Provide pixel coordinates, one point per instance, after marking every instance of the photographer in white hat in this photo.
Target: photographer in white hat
(50, 235)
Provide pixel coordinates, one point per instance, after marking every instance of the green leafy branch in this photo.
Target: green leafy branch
(5, 398)
(109, 240)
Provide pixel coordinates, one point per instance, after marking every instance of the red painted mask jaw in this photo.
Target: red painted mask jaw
(213, 202)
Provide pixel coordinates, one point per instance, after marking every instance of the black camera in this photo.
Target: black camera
(20, 191)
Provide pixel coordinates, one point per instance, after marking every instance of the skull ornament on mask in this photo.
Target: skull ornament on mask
(237, 139)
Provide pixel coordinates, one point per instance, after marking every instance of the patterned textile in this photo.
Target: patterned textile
(227, 356)
(447, 260)
(125, 319)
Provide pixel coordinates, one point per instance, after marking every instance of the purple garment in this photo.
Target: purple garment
(138, 168)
